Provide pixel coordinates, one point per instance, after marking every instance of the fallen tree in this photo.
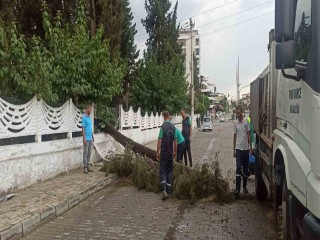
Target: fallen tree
(124, 141)
(200, 182)
(139, 165)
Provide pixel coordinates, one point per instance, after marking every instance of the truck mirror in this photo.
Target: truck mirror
(284, 19)
(285, 54)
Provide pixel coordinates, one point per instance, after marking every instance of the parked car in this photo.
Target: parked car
(207, 124)
(222, 119)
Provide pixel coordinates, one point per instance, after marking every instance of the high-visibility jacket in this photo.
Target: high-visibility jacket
(251, 129)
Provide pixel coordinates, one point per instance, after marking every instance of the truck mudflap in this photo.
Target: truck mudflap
(311, 227)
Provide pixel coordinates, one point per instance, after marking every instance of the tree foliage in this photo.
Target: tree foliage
(161, 25)
(160, 86)
(128, 50)
(116, 18)
(161, 83)
(113, 16)
(28, 14)
(110, 15)
(202, 103)
(66, 63)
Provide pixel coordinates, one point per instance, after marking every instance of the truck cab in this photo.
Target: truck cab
(297, 137)
(287, 120)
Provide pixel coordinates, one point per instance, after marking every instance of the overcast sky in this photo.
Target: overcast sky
(248, 39)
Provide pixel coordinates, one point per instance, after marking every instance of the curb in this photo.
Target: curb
(24, 227)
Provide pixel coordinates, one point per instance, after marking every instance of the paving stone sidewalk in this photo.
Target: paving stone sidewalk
(45, 201)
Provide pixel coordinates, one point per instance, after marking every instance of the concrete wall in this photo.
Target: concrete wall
(22, 165)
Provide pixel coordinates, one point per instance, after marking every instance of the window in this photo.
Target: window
(197, 51)
(197, 41)
(302, 30)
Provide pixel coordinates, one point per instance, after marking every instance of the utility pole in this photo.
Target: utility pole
(238, 83)
(192, 23)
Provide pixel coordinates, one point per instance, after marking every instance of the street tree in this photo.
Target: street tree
(110, 15)
(128, 51)
(161, 80)
(202, 104)
(27, 14)
(160, 86)
(161, 26)
(67, 63)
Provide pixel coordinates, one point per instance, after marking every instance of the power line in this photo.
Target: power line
(248, 20)
(201, 26)
(195, 3)
(236, 24)
(209, 10)
(184, 6)
(220, 6)
(237, 13)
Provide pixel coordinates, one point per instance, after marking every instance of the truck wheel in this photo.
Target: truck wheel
(261, 188)
(284, 215)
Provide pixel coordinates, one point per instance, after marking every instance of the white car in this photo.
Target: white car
(207, 124)
(222, 119)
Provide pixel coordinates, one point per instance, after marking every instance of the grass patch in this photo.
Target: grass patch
(200, 182)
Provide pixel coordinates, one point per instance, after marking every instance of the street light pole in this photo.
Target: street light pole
(244, 87)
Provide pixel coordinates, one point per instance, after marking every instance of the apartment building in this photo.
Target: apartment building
(185, 41)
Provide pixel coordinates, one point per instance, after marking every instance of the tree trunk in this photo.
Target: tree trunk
(93, 19)
(124, 141)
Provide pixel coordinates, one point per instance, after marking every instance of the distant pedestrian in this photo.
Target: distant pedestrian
(187, 133)
(166, 152)
(198, 122)
(242, 147)
(88, 138)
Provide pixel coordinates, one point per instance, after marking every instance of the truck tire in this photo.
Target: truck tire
(284, 215)
(260, 186)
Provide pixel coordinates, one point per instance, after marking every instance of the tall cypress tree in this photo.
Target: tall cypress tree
(28, 14)
(110, 14)
(161, 82)
(117, 18)
(161, 25)
(128, 49)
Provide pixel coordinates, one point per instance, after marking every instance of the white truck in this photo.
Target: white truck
(285, 112)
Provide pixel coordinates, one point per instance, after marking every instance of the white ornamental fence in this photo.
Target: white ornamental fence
(143, 129)
(38, 118)
(132, 120)
(22, 165)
